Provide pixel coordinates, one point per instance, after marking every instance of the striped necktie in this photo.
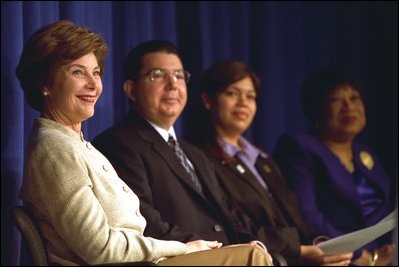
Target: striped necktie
(184, 161)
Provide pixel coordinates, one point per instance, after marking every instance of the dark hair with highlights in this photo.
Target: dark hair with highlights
(50, 48)
(223, 73)
(213, 82)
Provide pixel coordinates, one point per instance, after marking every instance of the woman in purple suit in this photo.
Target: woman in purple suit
(340, 184)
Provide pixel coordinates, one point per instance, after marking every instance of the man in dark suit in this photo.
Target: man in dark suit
(180, 197)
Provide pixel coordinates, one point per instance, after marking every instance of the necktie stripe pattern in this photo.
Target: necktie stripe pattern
(184, 161)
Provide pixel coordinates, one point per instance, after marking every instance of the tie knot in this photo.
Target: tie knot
(171, 141)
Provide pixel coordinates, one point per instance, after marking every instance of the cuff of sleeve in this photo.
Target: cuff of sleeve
(259, 243)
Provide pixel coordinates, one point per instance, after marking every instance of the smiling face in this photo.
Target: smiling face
(345, 114)
(160, 101)
(74, 91)
(234, 108)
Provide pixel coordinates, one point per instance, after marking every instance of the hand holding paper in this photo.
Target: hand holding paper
(357, 239)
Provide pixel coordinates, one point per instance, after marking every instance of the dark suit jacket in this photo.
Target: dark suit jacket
(326, 192)
(274, 218)
(171, 204)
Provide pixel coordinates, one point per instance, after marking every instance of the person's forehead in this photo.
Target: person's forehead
(161, 60)
(345, 87)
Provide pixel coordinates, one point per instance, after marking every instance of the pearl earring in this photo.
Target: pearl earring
(45, 93)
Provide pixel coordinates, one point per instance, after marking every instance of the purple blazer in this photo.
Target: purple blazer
(326, 192)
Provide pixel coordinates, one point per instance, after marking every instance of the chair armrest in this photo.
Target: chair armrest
(136, 263)
(279, 260)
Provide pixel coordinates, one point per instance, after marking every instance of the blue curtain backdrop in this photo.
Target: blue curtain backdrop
(282, 41)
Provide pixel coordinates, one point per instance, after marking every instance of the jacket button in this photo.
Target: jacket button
(88, 145)
(126, 189)
(105, 168)
(217, 228)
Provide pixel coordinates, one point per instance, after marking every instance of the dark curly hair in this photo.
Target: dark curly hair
(316, 89)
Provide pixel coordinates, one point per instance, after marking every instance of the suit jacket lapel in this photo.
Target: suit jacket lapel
(366, 164)
(277, 188)
(202, 175)
(243, 173)
(211, 192)
(239, 169)
(339, 175)
(149, 134)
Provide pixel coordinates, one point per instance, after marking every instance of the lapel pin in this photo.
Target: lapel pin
(240, 168)
(267, 168)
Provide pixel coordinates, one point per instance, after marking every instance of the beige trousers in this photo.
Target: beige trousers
(235, 255)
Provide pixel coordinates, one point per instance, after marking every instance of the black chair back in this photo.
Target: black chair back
(30, 233)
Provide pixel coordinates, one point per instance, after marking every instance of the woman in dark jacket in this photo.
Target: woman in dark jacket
(250, 178)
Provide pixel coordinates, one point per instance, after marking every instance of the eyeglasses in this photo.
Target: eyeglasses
(158, 75)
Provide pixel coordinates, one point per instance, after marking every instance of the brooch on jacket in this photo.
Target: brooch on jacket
(366, 159)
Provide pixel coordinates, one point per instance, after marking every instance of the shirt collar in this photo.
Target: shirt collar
(59, 127)
(164, 133)
(228, 148)
(246, 149)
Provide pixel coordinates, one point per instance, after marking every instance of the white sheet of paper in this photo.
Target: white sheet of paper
(352, 241)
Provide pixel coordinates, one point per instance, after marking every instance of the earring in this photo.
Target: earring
(46, 93)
